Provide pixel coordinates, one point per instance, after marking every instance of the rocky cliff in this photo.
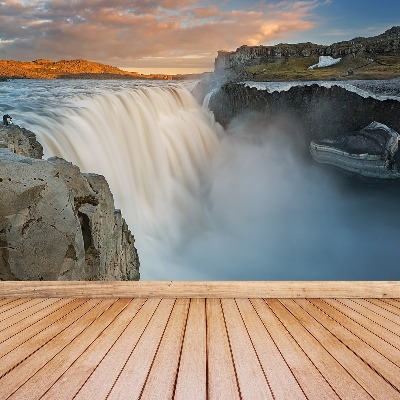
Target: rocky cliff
(311, 112)
(55, 222)
(370, 57)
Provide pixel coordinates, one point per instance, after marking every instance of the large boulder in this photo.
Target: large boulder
(55, 222)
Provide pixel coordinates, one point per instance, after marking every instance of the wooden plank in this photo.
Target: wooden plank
(13, 303)
(360, 307)
(367, 320)
(394, 302)
(35, 318)
(282, 381)
(23, 371)
(162, 377)
(381, 311)
(192, 375)
(20, 314)
(17, 309)
(40, 383)
(135, 371)
(252, 381)
(101, 381)
(19, 336)
(371, 360)
(202, 289)
(389, 305)
(310, 379)
(73, 379)
(366, 335)
(221, 377)
(3, 302)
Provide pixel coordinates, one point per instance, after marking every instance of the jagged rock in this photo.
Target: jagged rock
(21, 141)
(59, 224)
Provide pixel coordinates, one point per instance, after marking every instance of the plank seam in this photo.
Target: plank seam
(396, 315)
(28, 316)
(13, 306)
(230, 350)
(364, 361)
(81, 355)
(389, 304)
(130, 354)
(34, 323)
(180, 351)
(44, 344)
(279, 350)
(365, 316)
(155, 353)
(255, 351)
(55, 355)
(19, 312)
(351, 332)
(298, 344)
(105, 355)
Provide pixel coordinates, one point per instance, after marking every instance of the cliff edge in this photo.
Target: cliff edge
(376, 57)
(57, 223)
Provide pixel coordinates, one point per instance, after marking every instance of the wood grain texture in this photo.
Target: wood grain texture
(192, 374)
(160, 382)
(69, 383)
(198, 349)
(361, 360)
(253, 383)
(96, 387)
(221, 376)
(203, 289)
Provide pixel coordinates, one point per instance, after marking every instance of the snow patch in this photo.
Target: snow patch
(325, 61)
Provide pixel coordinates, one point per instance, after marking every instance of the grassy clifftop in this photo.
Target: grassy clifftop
(383, 67)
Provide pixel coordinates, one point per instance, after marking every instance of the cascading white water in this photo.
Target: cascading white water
(152, 144)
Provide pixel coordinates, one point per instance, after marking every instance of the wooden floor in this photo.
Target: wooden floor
(199, 348)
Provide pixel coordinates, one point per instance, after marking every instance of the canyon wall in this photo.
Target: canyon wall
(57, 223)
(310, 112)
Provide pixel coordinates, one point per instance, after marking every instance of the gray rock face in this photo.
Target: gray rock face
(314, 111)
(21, 141)
(56, 223)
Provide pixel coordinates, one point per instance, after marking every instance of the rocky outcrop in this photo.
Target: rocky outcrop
(55, 222)
(376, 50)
(314, 112)
(21, 141)
(371, 152)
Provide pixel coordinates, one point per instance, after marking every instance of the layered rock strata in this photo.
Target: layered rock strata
(314, 112)
(371, 152)
(387, 43)
(55, 222)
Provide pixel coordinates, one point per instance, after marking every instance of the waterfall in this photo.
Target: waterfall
(153, 145)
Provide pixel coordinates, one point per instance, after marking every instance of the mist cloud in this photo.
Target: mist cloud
(126, 33)
(272, 215)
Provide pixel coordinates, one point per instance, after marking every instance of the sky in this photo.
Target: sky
(178, 36)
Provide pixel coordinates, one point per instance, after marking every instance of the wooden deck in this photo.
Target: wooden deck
(226, 345)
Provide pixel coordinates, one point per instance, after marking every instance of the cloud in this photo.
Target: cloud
(131, 33)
